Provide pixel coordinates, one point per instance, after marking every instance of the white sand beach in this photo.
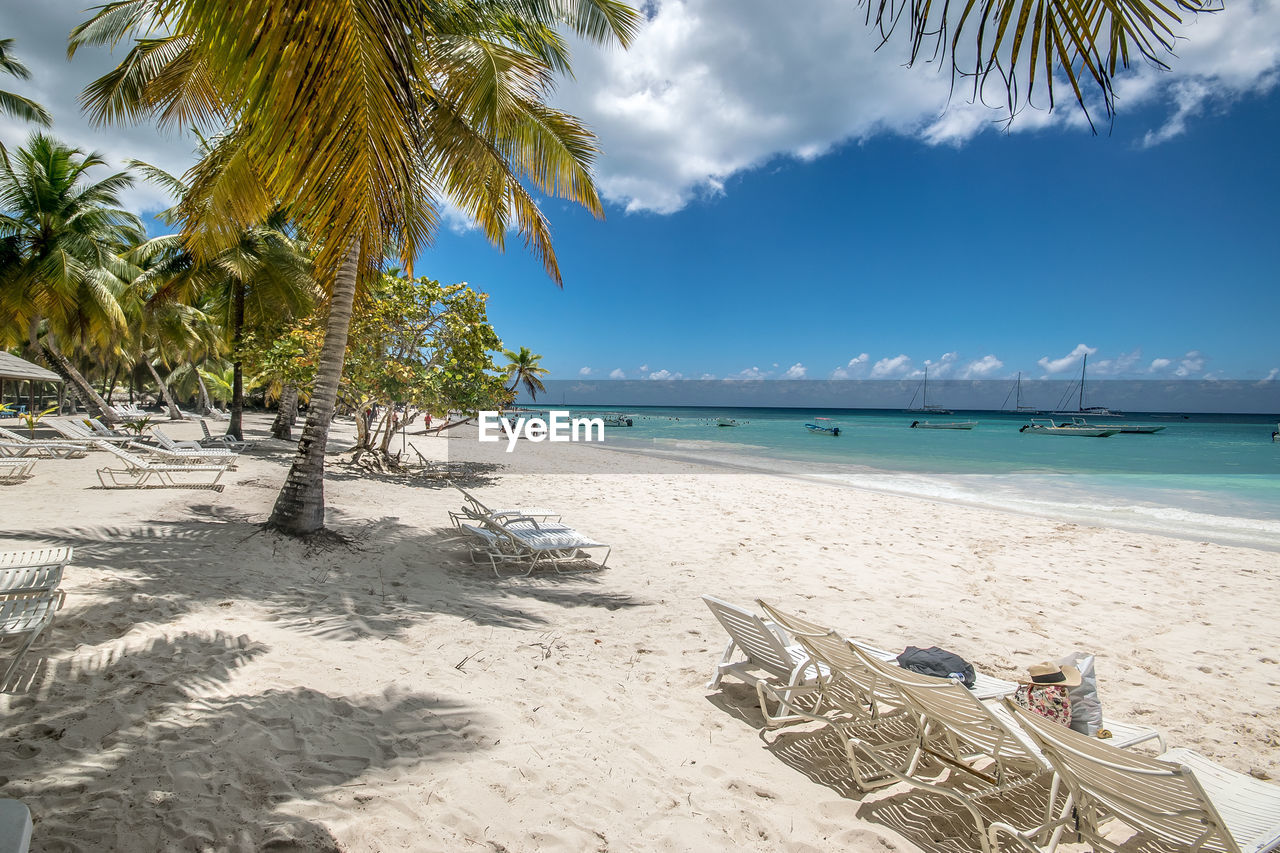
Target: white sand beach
(211, 686)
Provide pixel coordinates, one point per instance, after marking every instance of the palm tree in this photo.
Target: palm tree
(61, 270)
(16, 105)
(422, 101)
(264, 276)
(523, 367)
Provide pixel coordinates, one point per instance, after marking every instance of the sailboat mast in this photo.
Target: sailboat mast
(1084, 364)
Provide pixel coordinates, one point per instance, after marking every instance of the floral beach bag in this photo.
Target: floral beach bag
(1051, 701)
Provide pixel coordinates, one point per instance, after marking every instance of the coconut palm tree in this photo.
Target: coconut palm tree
(16, 105)
(422, 101)
(523, 367)
(61, 270)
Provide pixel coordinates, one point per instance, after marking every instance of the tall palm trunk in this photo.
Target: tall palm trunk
(287, 413)
(80, 387)
(299, 508)
(236, 427)
(205, 405)
(174, 414)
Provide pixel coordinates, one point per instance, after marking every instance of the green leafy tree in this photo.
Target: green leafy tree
(358, 116)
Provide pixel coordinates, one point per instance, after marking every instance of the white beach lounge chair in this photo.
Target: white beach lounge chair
(228, 441)
(15, 470)
(29, 596)
(15, 827)
(474, 512)
(76, 431)
(984, 686)
(101, 430)
(16, 444)
(975, 738)
(530, 543)
(1180, 798)
(137, 472)
(759, 653)
(189, 451)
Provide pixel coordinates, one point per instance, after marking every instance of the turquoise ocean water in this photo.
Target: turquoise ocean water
(1211, 477)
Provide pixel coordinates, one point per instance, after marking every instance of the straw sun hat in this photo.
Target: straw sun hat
(1051, 673)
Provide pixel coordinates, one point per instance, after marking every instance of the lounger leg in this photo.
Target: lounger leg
(13, 666)
(718, 675)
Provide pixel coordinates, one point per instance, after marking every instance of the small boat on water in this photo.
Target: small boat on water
(726, 422)
(821, 429)
(922, 391)
(1091, 411)
(1051, 428)
(944, 425)
(1132, 429)
(618, 420)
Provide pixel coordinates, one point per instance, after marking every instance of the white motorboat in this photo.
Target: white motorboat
(726, 422)
(1132, 429)
(944, 425)
(1050, 428)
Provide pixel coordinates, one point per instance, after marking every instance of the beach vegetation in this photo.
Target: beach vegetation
(524, 368)
(450, 103)
(62, 274)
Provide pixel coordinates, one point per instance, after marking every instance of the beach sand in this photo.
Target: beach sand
(211, 686)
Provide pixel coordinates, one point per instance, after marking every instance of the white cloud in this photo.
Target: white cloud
(617, 373)
(1191, 363)
(713, 88)
(707, 376)
(795, 371)
(856, 367)
(1271, 377)
(584, 371)
(943, 365)
(643, 368)
(891, 368)
(1117, 366)
(982, 368)
(1068, 361)
(665, 374)
(1158, 364)
(750, 373)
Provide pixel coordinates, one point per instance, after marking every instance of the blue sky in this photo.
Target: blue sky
(783, 200)
(1020, 246)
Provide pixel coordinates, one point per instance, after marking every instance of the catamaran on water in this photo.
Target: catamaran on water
(1048, 427)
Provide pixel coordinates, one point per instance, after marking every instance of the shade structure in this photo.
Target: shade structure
(12, 367)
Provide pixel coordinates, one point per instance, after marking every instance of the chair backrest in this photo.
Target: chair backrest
(836, 653)
(762, 646)
(10, 435)
(132, 460)
(30, 578)
(71, 429)
(205, 426)
(969, 725)
(24, 611)
(165, 442)
(36, 557)
(1158, 797)
(100, 428)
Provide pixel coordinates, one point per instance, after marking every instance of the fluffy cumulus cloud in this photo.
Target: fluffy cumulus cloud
(795, 371)
(617, 373)
(943, 364)
(1271, 377)
(751, 373)
(664, 374)
(1158, 365)
(1121, 365)
(1067, 362)
(982, 368)
(1192, 362)
(892, 368)
(715, 87)
(584, 371)
(856, 367)
(712, 88)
